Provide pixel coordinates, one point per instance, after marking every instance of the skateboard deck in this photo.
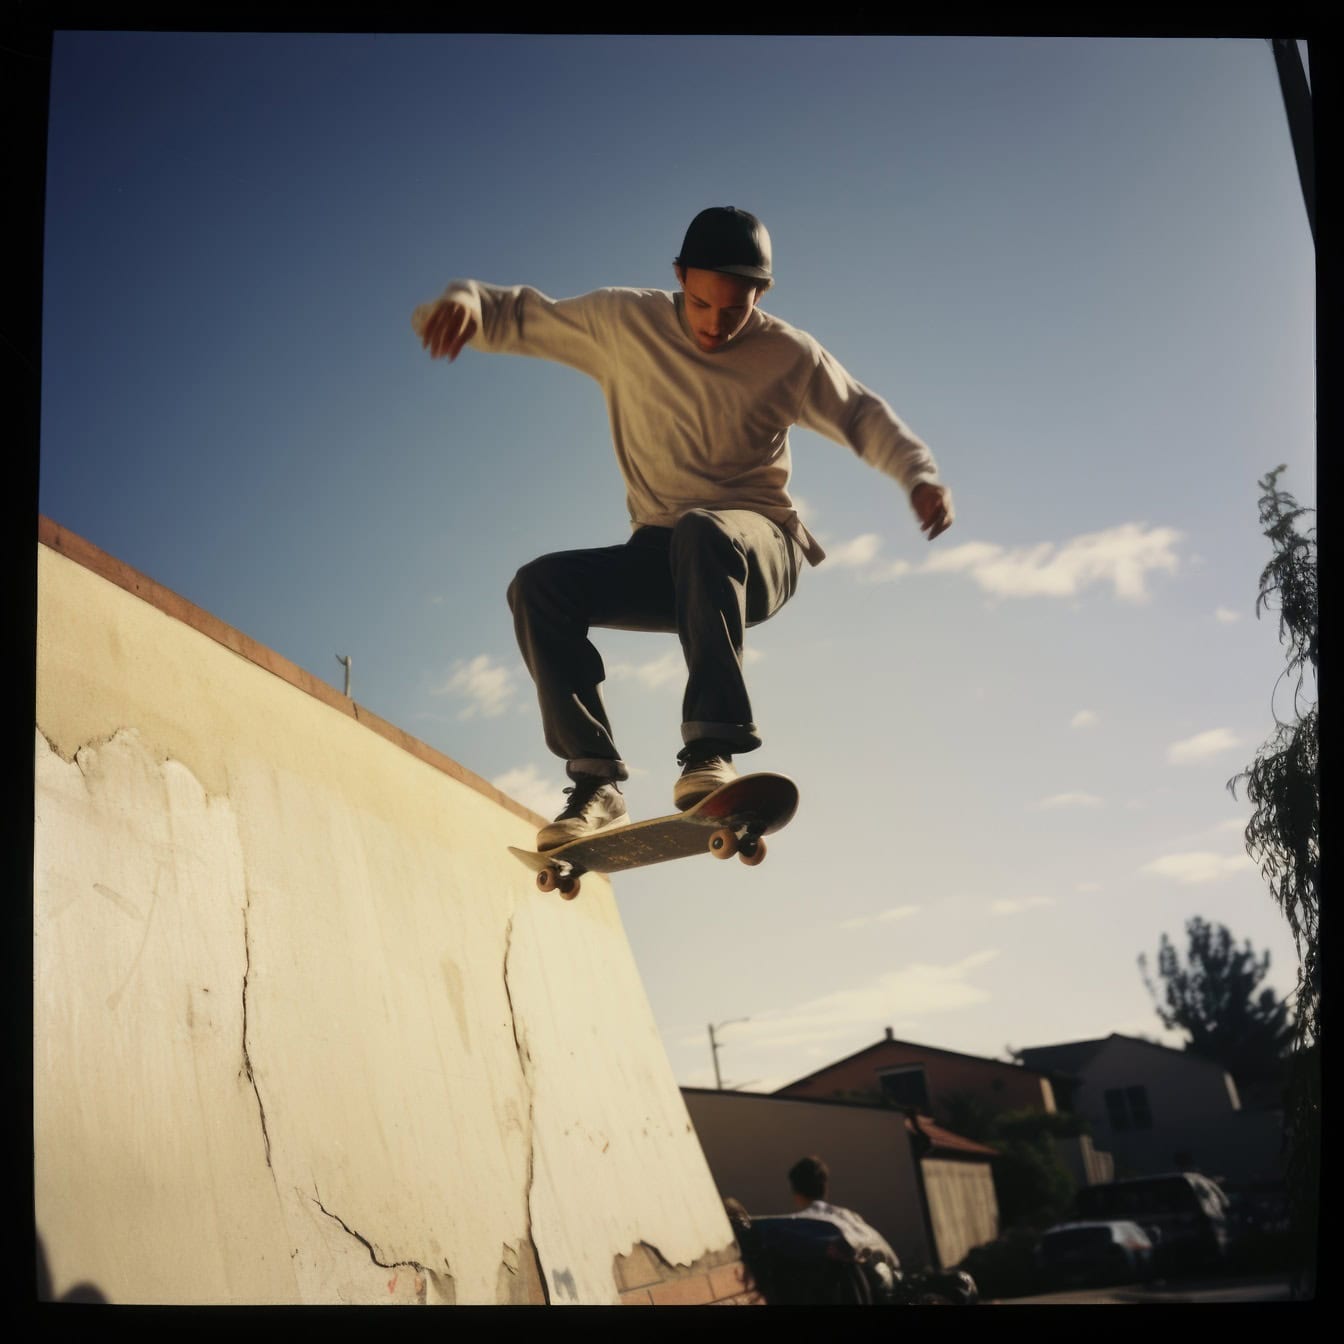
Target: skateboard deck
(731, 820)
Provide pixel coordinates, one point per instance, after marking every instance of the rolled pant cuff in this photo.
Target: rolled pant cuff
(601, 766)
(740, 736)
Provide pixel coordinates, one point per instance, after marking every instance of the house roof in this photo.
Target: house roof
(1072, 1056)
(945, 1141)
(881, 1045)
(1062, 1059)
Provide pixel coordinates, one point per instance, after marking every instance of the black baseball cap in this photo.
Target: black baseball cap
(724, 238)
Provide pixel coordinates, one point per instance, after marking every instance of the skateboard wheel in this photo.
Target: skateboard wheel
(548, 879)
(723, 844)
(753, 855)
(569, 888)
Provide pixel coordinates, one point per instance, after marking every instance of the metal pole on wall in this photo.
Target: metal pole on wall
(1297, 104)
(345, 660)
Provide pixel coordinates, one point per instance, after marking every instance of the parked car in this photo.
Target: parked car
(1186, 1210)
(1103, 1251)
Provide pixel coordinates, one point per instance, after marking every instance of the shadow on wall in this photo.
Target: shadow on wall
(81, 1292)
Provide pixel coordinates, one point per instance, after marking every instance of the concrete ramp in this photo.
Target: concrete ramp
(304, 1032)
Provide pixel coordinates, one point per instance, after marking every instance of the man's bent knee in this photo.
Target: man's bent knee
(531, 582)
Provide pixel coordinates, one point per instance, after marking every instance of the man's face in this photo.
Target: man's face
(717, 305)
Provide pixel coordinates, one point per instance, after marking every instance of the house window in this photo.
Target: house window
(1137, 1098)
(905, 1086)
(1127, 1108)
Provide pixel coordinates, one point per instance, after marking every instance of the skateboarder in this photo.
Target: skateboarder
(702, 387)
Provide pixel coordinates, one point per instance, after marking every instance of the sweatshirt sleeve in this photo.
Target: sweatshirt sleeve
(520, 320)
(838, 406)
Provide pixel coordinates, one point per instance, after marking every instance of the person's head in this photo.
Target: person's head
(724, 267)
(809, 1178)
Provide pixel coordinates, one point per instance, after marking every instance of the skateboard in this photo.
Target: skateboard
(731, 820)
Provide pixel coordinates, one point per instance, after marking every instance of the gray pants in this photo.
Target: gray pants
(708, 578)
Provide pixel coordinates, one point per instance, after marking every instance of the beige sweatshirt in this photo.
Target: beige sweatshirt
(693, 428)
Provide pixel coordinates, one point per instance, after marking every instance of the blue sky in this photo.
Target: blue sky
(1080, 269)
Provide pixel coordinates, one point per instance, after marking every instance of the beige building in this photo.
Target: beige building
(929, 1192)
(1156, 1109)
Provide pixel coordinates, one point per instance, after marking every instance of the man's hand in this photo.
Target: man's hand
(444, 327)
(933, 504)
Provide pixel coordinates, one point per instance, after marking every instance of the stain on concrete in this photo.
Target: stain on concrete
(126, 907)
(457, 999)
(114, 998)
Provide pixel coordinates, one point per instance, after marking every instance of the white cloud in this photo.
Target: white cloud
(882, 917)
(488, 686)
(913, 992)
(885, 573)
(1202, 746)
(1087, 888)
(527, 785)
(1122, 556)
(854, 554)
(1225, 616)
(1016, 907)
(669, 669)
(1196, 867)
(1057, 800)
(957, 559)
(1084, 718)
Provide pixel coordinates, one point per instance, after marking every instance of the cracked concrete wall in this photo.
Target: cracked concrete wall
(304, 1032)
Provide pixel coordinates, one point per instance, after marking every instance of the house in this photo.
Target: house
(1157, 1109)
(928, 1191)
(928, 1079)
(934, 1081)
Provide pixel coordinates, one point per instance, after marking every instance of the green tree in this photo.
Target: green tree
(1283, 782)
(1213, 999)
(1284, 835)
(1032, 1185)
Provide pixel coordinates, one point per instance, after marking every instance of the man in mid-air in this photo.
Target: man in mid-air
(702, 387)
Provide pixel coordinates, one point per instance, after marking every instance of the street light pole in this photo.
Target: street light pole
(714, 1046)
(344, 660)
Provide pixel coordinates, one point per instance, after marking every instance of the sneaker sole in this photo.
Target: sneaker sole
(581, 835)
(684, 801)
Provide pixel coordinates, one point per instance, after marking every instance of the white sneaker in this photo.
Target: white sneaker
(595, 804)
(701, 774)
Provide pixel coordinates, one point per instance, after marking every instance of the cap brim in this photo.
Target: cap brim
(746, 272)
